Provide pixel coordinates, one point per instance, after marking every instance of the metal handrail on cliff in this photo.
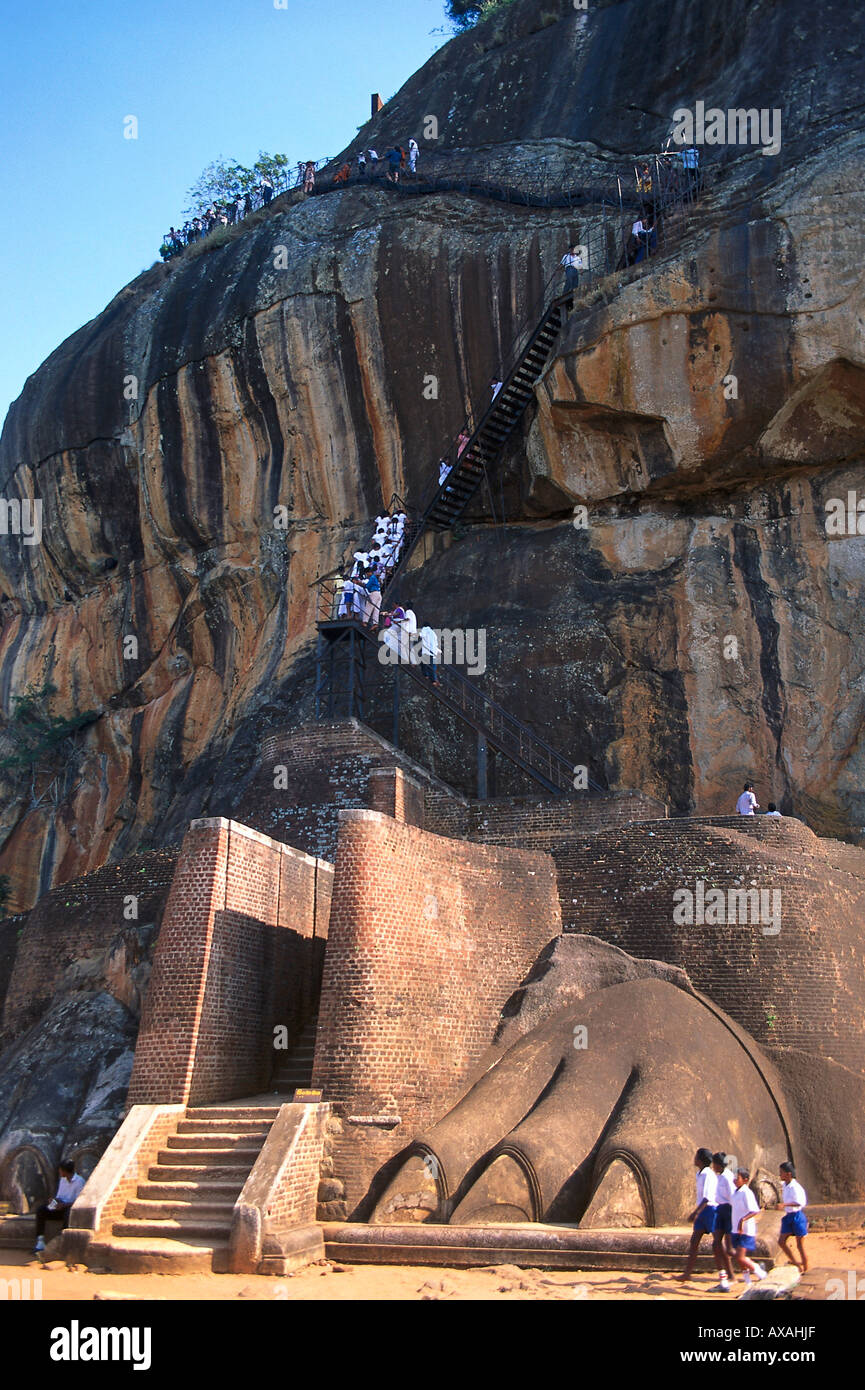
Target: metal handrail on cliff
(516, 740)
(472, 449)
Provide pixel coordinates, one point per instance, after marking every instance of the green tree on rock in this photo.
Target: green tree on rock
(465, 14)
(225, 178)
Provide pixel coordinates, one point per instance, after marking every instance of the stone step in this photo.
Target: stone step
(192, 1172)
(209, 1157)
(528, 1246)
(221, 1126)
(217, 1140)
(149, 1210)
(171, 1227)
(182, 1191)
(263, 1114)
(153, 1255)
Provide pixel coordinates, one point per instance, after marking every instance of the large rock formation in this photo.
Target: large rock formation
(165, 436)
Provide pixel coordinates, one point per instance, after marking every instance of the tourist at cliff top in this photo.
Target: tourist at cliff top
(395, 160)
(361, 163)
(572, 263)
(703, 1215)
(648, 240)
(721, 1247)
(747, 803)
(336, 603)
(794, 1222)
(372, 156)
(429, 654)
(309, 176)
(743, 1237)
(372, 606)
(347, 598)
(773, 810)
(58, 1208)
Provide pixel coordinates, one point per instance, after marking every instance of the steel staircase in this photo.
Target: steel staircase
(492, 722)
(472, 465)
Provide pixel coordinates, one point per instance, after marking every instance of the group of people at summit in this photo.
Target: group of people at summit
(396, 162)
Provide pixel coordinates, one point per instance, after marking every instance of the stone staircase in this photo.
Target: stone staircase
(295, 1066)
(180, 1218)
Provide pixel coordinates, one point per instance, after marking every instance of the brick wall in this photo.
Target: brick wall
(75, 919)
(510, 820)
(294, 1198)
(240, 952)
(320, 769)
(428, 938)
(803, 987)
(396, 794)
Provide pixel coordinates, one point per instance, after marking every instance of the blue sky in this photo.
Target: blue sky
(84, 208)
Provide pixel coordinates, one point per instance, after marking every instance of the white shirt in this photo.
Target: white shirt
(707, 1184)
(373, 155)
(444, 469)
(68, 1189)
(412, 144)
(410, 624)
(570, 259)
(794, 1196)
(724, 1189)
(429, 642)
(746, 803)
(637, 227)
(774, 813)
(744, 1201)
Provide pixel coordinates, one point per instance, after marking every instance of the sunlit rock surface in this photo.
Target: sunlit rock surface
(286, 370)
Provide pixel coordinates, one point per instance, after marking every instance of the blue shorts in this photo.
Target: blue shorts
(794, 1224)
(723, 1219)
(744, 1242)
(705, 1221)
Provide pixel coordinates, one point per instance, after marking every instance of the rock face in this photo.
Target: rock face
(62, 1088)
(76, 970)
(223, 432)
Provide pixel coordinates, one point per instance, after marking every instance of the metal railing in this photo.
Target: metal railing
(516, 740)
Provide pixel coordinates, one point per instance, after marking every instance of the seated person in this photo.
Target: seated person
(58, 1208)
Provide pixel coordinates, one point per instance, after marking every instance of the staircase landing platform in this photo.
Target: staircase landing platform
(153, 1255)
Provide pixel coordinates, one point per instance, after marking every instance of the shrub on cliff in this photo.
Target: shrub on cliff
(40, 747)
(465, 14)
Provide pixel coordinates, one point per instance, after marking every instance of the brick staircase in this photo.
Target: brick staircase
(295, 1067)
(180, 1218)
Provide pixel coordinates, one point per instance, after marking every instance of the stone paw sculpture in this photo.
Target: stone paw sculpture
(593, 1117)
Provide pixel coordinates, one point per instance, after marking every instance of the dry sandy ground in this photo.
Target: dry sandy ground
(841, 1250)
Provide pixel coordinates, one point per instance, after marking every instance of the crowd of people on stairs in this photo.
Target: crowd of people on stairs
(358, 595)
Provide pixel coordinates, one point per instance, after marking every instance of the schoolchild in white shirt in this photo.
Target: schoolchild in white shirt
(744, 1211)
(794, 1221)
(703, 1215)
(721, 1247)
